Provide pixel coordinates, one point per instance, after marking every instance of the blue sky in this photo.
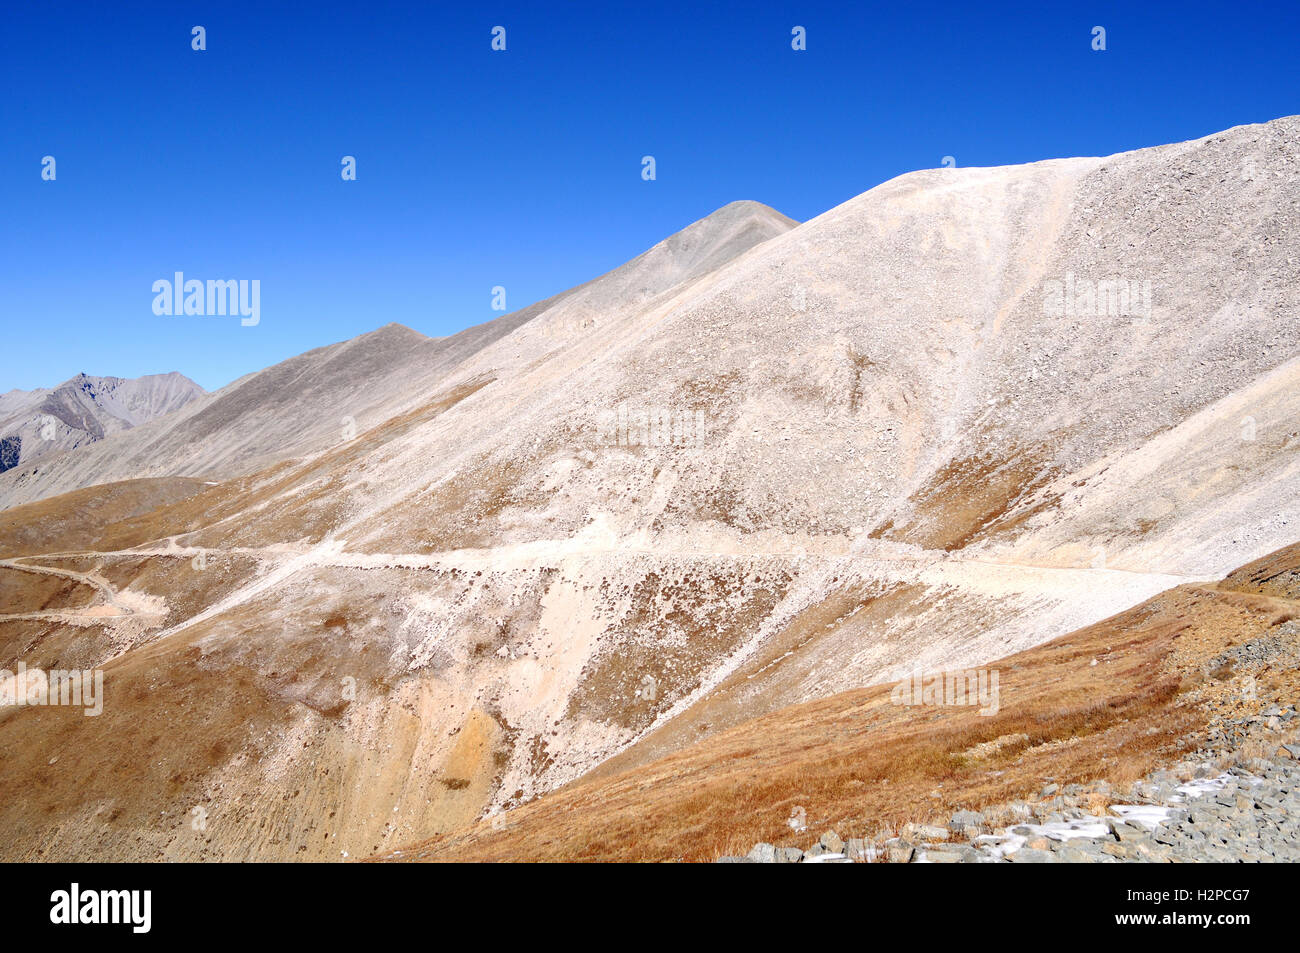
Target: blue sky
(520, 169)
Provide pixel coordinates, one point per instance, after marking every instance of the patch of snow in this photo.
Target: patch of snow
(1148, 815)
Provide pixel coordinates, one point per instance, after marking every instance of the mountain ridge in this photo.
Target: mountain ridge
(368, 378)
(85, 409)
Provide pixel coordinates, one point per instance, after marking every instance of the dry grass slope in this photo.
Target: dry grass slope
(858, 763)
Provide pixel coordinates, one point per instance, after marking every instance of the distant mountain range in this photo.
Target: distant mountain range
(82, 410)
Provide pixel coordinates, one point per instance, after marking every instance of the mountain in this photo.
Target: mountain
(84, 410)
(312, 402)
(960, 415)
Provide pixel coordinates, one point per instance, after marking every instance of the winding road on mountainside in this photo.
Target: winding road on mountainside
(90, 613)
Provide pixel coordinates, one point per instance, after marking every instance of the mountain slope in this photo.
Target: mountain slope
(1107, 703)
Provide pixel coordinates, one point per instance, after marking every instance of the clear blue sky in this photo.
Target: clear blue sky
(522, 168)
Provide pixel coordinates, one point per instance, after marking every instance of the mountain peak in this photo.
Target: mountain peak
(742, 207)
(392, 332)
